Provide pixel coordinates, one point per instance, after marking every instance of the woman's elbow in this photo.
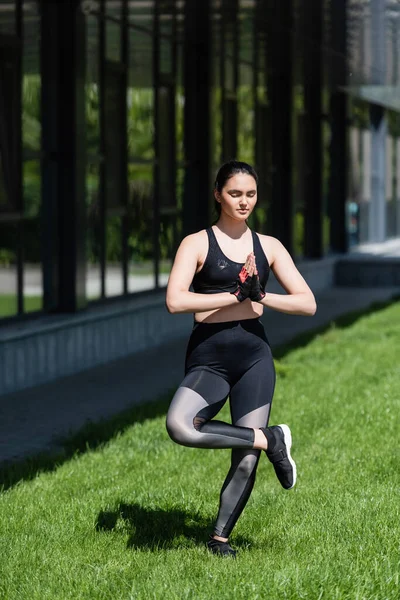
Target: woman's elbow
(172, 304)
(312, 307)
(171, 307)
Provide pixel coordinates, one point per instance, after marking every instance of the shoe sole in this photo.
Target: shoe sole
(287, 436)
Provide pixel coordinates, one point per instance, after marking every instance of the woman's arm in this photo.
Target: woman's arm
(299, 299)
(178, 298)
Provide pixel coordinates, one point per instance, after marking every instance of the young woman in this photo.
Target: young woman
(228, 353)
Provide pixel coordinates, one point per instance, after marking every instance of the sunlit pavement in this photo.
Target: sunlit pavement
(114, 284)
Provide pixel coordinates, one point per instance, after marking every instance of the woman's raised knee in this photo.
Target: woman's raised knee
(178, 431)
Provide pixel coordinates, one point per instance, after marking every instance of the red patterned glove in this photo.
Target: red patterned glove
(244, 283)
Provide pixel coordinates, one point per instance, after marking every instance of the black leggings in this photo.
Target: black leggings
(226, 359)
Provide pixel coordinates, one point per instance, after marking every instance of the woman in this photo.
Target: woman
(228, 353)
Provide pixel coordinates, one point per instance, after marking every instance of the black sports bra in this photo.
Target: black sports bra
(219, 273)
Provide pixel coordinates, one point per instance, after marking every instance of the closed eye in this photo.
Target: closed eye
(237, 193)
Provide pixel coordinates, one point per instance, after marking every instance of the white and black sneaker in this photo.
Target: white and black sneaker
(278, 452)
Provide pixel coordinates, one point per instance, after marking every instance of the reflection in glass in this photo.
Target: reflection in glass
(141, 123)
(246, 141)
(7, 16)
(166, 147)
(230, 56)
(32, 188)
(140, 96)
(216, 112)
(326, 169)
(389, 189)
(397, 176)
(92, 87)
(366, 143)
(31, 121)
(32, 238)
(113, 11)
(31, 169)
(114, 274)
(216, 91)
(31, 84)
(166, 31)
(140, 234)
(94, 221)
(179, 116)
(170, 233)
(3, 193)
(141, 152)
(298, 173)
(113, 41)
(8, 270)
(93, 233)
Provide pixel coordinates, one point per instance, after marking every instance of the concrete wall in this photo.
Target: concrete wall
(44, 350)
(368, 271)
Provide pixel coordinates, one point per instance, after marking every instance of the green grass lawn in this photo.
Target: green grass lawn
(9, 307)
(128, 518)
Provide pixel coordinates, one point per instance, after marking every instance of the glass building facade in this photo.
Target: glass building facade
(115, 115)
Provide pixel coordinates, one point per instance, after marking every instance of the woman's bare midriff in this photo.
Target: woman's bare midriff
(243, 310)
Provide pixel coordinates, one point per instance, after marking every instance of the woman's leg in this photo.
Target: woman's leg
(251, 399)
(199, 398)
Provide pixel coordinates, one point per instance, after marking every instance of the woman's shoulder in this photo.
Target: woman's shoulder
(194, 238)
(267, 240)
(270, 245)
(195, 241)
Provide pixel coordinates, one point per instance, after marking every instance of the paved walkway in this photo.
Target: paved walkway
(390, 248)
(32, 420)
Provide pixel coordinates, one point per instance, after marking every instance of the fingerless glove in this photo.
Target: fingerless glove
(256, 292)
(244, 283)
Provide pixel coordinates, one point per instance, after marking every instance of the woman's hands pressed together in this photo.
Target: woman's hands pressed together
(248, 282)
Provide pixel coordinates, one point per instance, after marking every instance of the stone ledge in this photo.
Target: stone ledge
(77, 344)
(368, 271)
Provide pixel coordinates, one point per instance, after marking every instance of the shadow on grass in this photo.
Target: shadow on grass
(158, 528)
(95, 434)
(91, 436)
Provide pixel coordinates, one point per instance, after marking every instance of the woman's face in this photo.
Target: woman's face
(238, 197)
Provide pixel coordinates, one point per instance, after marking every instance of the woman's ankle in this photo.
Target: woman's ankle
(219, 538)
(260, 441)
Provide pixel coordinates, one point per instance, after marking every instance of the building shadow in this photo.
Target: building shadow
(91, 436)
(95, 434)
(158, 528)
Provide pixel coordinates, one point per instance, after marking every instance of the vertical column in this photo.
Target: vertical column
(124, 138)
(18, 163)
(312, 128)
(397, 194)
(64, 163)
(156, 140)
(197, 78)
(279, 69)
(229, 78)
(338, 117)
(102, 171)
(377, 216)
(365, 207)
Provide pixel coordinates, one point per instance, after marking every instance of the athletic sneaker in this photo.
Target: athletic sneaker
(221, 548)
(279, 443)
